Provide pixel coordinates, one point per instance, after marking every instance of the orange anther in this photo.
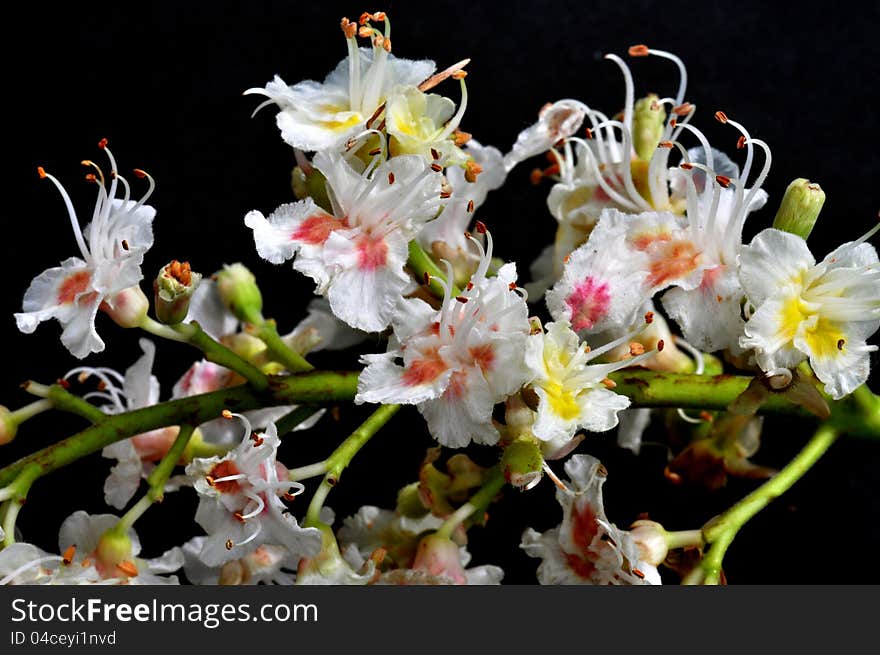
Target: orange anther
(640, 50)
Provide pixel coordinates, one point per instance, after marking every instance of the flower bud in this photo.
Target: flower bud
(650, 537)
(8, 426)
(173, 288)
(439, 557)
(128, 308)
(238, 289)
(522, 463)
(310, 185)
(114, 547)
(409, 502)
(800, 207)
(648, 120)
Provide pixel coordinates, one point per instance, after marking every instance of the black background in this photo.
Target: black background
(163, 82)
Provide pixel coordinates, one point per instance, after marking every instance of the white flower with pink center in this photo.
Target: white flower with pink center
(656, 250)
(112, 247)
(457, 362)
(240, 504)
(357, 253)
(314, 115)
(586, 548)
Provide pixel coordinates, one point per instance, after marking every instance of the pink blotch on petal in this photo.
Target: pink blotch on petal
(315, 229)
(588, 303)
(424, 370)
(372, 252)
(672, 261)
(72, 286)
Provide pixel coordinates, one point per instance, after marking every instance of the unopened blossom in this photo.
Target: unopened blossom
(240, 504)
(81, 560)
(586, 548)
(570, 389)
(556, 121)
(357, 253)
(455, 363)
(824, 311)
(318, 115)
(106, 277)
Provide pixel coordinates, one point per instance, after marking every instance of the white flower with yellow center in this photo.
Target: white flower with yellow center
(570, 390)
(421, 122)
(823, 312)
(314, 115)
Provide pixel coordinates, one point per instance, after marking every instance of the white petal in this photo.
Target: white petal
(773, 262)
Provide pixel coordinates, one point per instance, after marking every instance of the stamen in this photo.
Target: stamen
(640, 50)
(470, 206)
(29, 565)
(128, 568)
(720, 116)
(68, 555)
(77, 231)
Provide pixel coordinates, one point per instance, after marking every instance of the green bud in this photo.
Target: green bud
(114, 547)
(239, 291)
(172, 290)
(800, 207)
(649, 118)
(523, 463)
(310, 185)
(409, 502)
(8, 426)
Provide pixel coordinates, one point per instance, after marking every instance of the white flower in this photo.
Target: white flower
(356, 255)
(81, 561)
(316, 116)
(419, 123)
(586, 548)
(112, 248)
(136, 390)
(239, 504)
(445, 236)
(603, 283)
(372, 528)
(656, 250)
(457, 362)
(267, 564)
(824, 312)
(570, 389)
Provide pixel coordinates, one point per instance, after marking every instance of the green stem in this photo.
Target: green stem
(309, 471)
(62, 399)
(305, 388)
(342, 456)
(683, 538)
(30, 410)
(421, 264)
(15, 494)
(162, 472)
(721, 531)
(492, 484)
(267, 332)
(219, 354)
